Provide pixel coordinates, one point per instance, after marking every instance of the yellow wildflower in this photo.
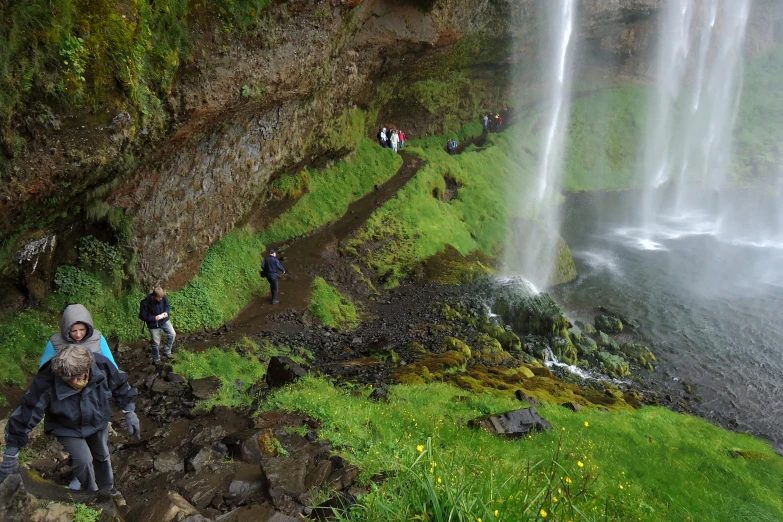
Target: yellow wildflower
(580, 464)
(554, 499)
(438, 480)
(496, 512)
(568, 480)
(587, 424)
(542, 513)
(420, 448)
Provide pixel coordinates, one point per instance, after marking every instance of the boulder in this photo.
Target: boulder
(524, 397)
(587, 346)
(248, 482)
(586, 328)
(608, 324)
(571, 406)
(200, 488)
(614, 365)
(639, 354)
(168, 461)
(514, 423)
(200, 456)
(564, 350)
(16, 504)
(575, 334)
(282, 371)
(604, 341)
(169, 508)
(452, 343)
(205, 388)
(537, 314)
(285, 475)
(535, 345)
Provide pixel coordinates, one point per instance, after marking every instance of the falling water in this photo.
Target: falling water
(533, 244)
(688, 148)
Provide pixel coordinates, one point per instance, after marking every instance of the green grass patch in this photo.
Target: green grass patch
(650, 464)
(332, 308)
(420, 220)
(331, 190)
(238, 368)
(85, 513)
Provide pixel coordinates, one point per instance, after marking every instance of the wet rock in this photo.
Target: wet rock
(201, 456)
(531, 314)
(160, 385)
(343, 478)
(172, 507)
(248, 482)
(202, 487)
(16, 504)
(514, 423)
(174, 378)
(604, 341)
(282, 371)
(564, 350)
(587, 346)
(524, 397)
(571, 406)
(168, 461)
(608, 324)
(380, 393)
(640, 354)
(319, 476)
(205, 388)
(575, 334)
(586, 328)
(209, 435)
(614, 365)
(285, 475)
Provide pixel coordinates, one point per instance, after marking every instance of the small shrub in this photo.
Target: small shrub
(332, 308)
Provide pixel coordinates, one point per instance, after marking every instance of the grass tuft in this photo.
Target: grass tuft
(332, 308)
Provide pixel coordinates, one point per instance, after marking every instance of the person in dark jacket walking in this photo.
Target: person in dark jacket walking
(154, 310)
(269, 269)
(71, 393)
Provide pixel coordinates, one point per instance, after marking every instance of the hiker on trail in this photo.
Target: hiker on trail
(448, 146)
(486, 122)
(394, 140)
(76, 327)
(500, 121)
(269, 269)
(402, 139)
(154, 310)
(71, 393)
(382, 137)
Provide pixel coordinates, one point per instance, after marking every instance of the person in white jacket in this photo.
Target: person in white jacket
(395, 139)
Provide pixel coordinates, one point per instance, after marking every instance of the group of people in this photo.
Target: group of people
(391, 139)
(493, 123)
(451, 146)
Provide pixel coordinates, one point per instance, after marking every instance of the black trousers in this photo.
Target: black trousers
(273, 287)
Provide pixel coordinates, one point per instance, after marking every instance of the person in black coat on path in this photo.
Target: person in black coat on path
(269, 269)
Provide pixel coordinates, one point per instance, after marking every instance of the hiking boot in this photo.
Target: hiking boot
(167, 356)
(118, 498)
(157, 362)
(274, 302)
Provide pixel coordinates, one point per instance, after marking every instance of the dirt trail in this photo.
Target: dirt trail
(305, 258)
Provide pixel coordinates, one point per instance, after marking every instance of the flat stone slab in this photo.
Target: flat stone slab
(513, 423)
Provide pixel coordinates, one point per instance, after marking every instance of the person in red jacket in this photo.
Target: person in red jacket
(402, 139)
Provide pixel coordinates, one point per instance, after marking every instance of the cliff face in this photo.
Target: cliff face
(248, 106)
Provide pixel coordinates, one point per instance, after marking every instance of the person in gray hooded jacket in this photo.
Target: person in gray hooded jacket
(76, 327)
(71, 393)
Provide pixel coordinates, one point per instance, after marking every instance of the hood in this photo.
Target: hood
(75, 313)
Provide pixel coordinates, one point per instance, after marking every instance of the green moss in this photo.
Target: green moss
(454, 344)
(332, 308)
(290, 185)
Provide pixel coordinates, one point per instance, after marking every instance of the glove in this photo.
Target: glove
(132, 420)
(10, 463)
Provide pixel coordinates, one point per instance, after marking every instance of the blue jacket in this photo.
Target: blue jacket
(271, 265)
(149, 308)
(93, 341)
(69, 412)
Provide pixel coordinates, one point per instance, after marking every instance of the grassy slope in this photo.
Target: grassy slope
(331, 190)
(416, 224)
(651, 464)
(332, 308)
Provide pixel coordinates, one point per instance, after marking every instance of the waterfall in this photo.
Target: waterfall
(688, 142)
(533, 244)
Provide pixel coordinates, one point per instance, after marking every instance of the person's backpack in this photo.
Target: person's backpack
(263, 269)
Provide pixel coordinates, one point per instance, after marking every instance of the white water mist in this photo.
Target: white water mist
(533, 245)
(688, 142)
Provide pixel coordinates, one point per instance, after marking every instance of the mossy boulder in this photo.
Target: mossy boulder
(587, 346)
(535, 345)
(564, 350)
(614, 365)
(565, 268)
(604, 341)
(450, 267)
(586, 328)
(575, 334)
(608, 324)
(454, 344)
(534, 314)
(508, 340)
(490, 350)
(430, 368)
(639, 354)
